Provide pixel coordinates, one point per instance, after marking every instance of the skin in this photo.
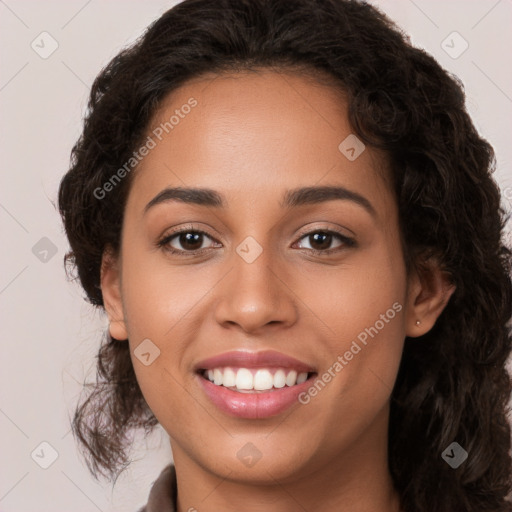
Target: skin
(252, 137)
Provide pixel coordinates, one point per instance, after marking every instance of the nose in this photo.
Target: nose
(255, 296)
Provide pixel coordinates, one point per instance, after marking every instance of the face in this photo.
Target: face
(263, 278)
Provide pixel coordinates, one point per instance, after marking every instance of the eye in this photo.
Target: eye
(185, 241)
(320, 241)
(192, 241)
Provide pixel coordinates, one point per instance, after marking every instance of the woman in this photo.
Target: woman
(290, 221)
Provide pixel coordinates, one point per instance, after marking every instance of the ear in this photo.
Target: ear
(429, 291)
(111, 291)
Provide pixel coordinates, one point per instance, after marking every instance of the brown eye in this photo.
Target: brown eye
(321, 241)
(186, 241)
(190, 241)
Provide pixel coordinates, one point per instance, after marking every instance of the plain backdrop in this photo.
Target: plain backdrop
(49, 334)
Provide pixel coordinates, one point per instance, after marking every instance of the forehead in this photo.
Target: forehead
(259, 132)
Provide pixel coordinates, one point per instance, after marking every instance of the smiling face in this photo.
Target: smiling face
(301, 256)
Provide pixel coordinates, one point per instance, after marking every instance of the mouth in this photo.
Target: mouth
(254, 385)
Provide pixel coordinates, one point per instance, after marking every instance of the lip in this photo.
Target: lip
(253, 405)
(245, 359)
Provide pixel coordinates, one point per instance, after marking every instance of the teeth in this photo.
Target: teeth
(262, 379)
(217, 377)
(280, 379)
(291, 378)
(302, 377)
(244, 379)
(229, 378)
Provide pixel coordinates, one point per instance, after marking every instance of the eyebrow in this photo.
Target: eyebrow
(291, 199)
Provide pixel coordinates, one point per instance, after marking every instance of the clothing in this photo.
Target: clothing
(163, 494)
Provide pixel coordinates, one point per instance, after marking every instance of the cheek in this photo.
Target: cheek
(158, 301)
(157, 296)
(362, 309)
(351, 297)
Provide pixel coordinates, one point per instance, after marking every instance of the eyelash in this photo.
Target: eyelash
(163, 243)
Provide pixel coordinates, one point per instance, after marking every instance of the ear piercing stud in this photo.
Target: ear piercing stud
(418, 322)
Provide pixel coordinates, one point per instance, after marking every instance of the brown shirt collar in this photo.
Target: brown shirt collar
(162, 497)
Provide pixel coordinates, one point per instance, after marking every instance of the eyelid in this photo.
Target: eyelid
(325, 229)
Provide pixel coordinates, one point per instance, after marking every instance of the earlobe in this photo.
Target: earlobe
(430, 290)
(111, 291)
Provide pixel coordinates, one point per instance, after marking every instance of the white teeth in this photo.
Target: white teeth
(262, 379)
(291, 378)
(302, 377)
(244, 379)
(217, 377)
(279, 379)
(229, 379)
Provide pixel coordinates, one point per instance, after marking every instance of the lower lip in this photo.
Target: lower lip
(253, 405)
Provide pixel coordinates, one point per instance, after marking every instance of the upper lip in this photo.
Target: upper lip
(246, 359)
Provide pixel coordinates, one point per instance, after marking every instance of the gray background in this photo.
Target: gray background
(49, 334)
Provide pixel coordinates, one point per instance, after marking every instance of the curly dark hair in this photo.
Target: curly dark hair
(452, 384)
